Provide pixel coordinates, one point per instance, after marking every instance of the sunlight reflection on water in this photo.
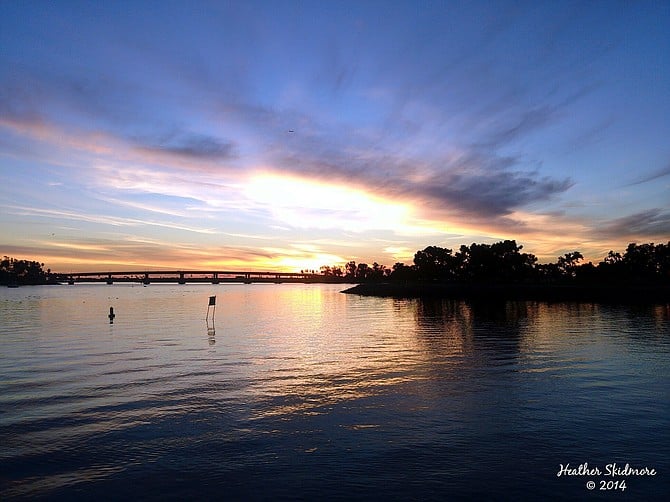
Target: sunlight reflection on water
(303, 391)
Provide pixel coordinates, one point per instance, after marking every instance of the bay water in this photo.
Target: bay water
(297, 391)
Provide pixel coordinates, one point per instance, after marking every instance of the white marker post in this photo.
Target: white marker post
(212, 305)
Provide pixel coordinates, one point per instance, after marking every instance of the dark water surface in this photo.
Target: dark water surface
(303, 392)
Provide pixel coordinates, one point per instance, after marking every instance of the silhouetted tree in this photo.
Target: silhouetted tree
(377, 272)
(21, 272)
(612, 258)
(611, 268)
(501, 262)
(435, 263)
(567, 264)
(587, 273)
(639, 260)
(402, 272)
(350, 270)
(362, 271)
(647, 262)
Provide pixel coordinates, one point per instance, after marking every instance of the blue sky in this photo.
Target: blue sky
(288, 135)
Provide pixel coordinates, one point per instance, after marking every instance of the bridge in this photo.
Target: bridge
(196, 276)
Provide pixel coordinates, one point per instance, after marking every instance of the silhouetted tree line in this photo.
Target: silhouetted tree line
(360, 272)
(503, 262)
(21, 272)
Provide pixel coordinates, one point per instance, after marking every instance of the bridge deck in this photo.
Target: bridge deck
(195, 276)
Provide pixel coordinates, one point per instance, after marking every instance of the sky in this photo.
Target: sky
(286, 135)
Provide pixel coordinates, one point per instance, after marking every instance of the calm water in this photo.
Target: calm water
(303, 392)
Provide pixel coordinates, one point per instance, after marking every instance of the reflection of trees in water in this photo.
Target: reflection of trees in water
(447, 327)
(443, 326)
(497, 328)
(661, 314)
(639, 324)
(481, 324)
(643, 325)
(658, 313)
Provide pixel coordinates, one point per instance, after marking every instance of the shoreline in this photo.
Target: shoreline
(581, 293)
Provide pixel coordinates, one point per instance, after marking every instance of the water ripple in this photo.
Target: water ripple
(302, 390)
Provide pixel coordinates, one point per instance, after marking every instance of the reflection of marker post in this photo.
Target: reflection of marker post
(111, 315)
(212, 305)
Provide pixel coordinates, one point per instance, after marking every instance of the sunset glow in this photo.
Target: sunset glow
(218, 136)
(306, 204)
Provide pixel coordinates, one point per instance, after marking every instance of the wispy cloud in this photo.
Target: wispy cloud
(492, 192)
(139, 253)
(147, 207)
(101, 219)
(660, 173)
(652, 223)
(471, 184)
(189, 146)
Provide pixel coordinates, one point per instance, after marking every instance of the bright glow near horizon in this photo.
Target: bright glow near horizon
(306, 204)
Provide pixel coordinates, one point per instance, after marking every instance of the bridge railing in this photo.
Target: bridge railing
(194, 276)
